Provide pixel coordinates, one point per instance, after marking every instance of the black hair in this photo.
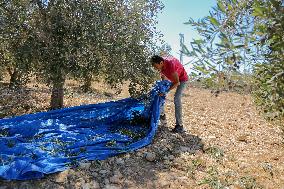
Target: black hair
(156, 59)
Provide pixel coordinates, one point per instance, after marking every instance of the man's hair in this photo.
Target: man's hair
(156, 59)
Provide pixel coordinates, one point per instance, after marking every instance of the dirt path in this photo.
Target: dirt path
(228, 145)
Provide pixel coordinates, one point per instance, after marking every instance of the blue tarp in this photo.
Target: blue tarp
(33, 145)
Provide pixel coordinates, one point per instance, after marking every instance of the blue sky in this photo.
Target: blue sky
(174, 14)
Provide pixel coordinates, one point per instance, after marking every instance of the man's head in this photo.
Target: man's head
(157, 62)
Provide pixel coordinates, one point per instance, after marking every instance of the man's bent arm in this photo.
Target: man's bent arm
(175, 82)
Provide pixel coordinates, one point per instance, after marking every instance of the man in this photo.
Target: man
(170, 68)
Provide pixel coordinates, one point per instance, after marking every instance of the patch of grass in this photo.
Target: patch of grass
(267, 167)
(215, 152)
(196, 162)
(249, 182)
(212, 180)
(193, 166)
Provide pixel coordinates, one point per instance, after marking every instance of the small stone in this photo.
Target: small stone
(235, 186)
(85, 165)
(139, 154)
(71, 172)
(86, 186)
(25, 185)
(120, 161)
(178, 166)
(111, 160)
(95, 185)
(62, 176)
(206, 147)
(167, 162)
(117, 172)
(250, 126)
(165, 184)
(176, 152)
(109, 186)
(243, 165)
(116, 179)
(187, 149)
(212, 137)
(199, 153)
(78, 185)
(127, 156)
(150, 156)
(242, 138)
(171, 157)
(106, 181)
(103, 172)
(182, 178)
(94, 174)
(267, 166)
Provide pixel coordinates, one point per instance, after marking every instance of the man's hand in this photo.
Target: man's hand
(161, 94)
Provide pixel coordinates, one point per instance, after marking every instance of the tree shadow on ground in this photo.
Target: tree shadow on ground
(18, 101)
(166, 145)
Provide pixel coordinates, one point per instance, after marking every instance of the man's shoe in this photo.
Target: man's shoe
(163, 120)
(163, 117)
(178, 129)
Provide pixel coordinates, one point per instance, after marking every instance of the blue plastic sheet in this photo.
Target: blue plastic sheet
(33, 145)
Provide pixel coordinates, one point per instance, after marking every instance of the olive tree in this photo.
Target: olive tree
(15, 41)
(85, 39)
(241, 39)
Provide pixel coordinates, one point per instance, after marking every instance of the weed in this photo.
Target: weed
(213, 179)
(215, 152)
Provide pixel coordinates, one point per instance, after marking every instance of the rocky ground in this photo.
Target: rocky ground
(227, 145)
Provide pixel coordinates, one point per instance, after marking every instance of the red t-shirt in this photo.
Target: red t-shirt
(172, 65)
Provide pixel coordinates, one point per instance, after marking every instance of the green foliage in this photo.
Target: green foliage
(248, 183)
(215, 152)
(213, 179)
(269, 76)
(269, 91)
(15, 39)
(86, 40)
(165, 50)
(226, 42)
(243, 42)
